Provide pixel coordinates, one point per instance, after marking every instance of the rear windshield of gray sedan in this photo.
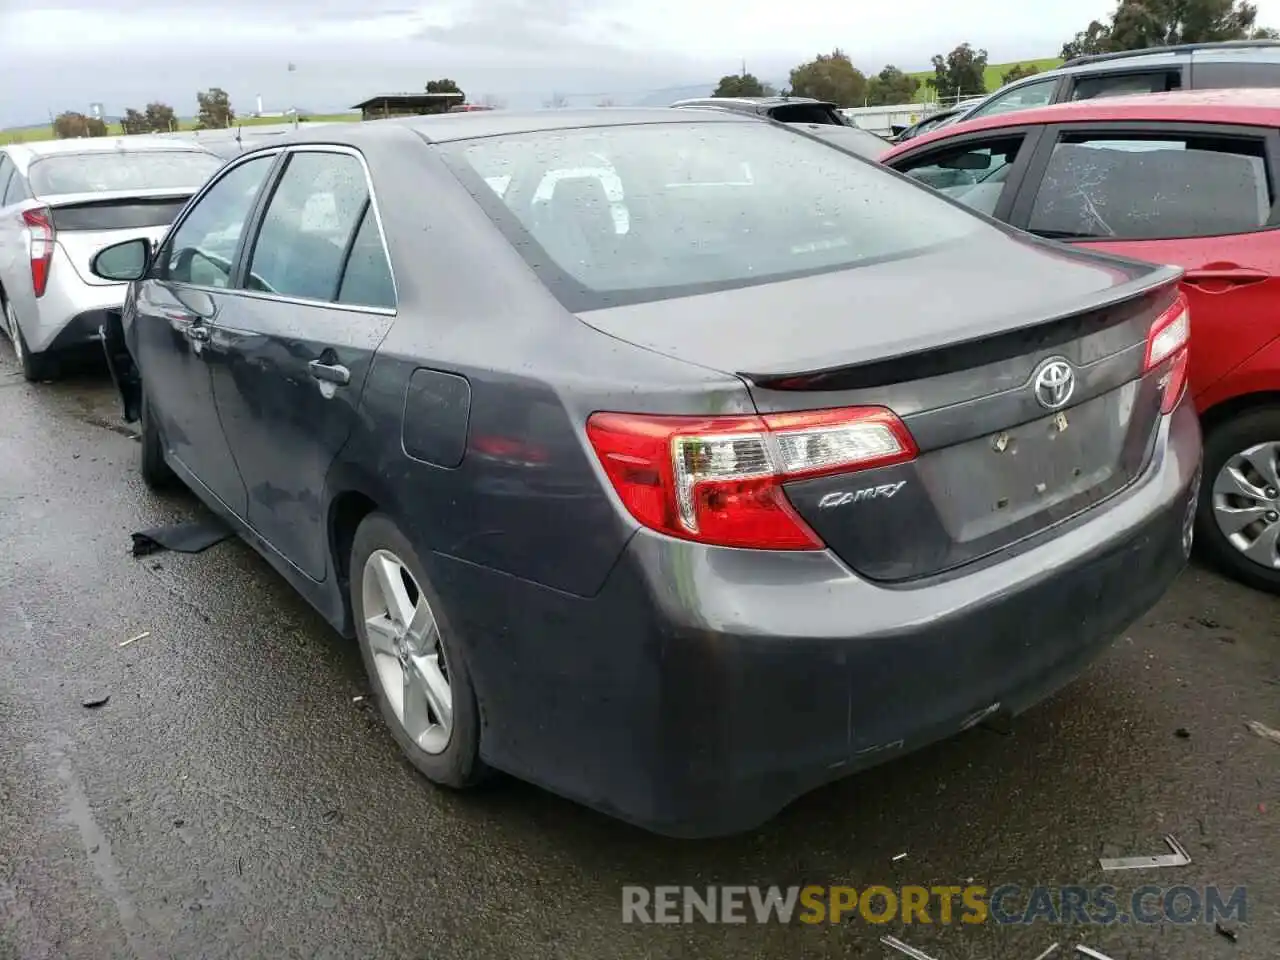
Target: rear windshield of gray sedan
(614, 215)
(101, 171)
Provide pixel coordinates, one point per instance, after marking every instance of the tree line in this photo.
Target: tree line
(1134, 25)
(832, 76)
(213, 111)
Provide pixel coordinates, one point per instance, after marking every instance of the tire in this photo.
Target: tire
(451, 757)
(1224, 446)
(35, 366)
(154, 470)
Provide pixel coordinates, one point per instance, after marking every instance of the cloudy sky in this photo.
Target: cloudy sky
(64, 54)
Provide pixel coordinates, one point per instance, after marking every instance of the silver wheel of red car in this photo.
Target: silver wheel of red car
(1246, 503)
(1238, 521)
(404, 638)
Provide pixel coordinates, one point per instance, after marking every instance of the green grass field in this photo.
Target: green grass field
(45, 131)
(992, 76)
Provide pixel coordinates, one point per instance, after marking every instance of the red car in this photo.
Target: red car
(1190, 179)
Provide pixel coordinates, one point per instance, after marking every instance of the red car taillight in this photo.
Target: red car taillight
(39, 223)
(718, 480)
(1168, 342)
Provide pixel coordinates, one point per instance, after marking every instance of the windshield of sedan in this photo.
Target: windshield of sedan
(102, 171)
(625, 214)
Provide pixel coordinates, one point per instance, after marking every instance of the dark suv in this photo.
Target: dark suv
(1190, 66)
(820, 118)
(782, 109)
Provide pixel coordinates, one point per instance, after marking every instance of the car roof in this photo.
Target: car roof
(754, 102)
(1254, 107)
(25, 154)
(447, 127)
(1190, 49)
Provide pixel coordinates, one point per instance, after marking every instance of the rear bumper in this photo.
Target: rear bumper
(704, 688)
(69, 314)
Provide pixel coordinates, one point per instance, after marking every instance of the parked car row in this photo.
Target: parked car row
(599, 429)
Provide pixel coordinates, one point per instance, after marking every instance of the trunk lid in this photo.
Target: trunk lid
(974, 364)
(85, 223)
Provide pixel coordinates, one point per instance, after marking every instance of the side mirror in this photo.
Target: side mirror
(122, 262)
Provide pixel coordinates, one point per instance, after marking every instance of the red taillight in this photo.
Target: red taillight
(39, 223)
(718, 480)
(1167, 344)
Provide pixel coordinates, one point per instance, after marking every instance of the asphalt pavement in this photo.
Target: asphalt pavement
(233, 798)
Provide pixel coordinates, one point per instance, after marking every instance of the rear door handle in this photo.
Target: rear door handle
(1225, 273)
(334, 373)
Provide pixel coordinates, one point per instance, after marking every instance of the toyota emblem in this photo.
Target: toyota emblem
(1054, 383)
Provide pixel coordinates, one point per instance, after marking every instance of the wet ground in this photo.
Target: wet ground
(232, 799)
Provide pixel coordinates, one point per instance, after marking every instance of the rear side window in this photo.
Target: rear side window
(103, 170)
(641, 212)
(1230, 75)
(1148, 188)
(1121, 85)
(366, 281)
(973, 174)
(307, 229)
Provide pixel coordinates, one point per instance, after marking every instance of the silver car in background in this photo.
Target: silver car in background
(62, 201)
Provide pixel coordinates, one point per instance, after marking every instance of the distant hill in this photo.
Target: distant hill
(992, 76)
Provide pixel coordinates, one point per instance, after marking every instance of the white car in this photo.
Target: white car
(62, 201)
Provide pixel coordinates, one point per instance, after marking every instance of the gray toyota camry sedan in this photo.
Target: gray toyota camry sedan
(671, 460)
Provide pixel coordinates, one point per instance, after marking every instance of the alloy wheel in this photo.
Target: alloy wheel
(1246, 503)
(404, 639)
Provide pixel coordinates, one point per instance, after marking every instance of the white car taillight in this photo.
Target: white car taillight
(39, 224)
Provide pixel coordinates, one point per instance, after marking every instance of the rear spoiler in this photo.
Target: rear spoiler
(981, 343)
(56, 200)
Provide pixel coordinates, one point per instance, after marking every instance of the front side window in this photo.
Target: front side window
(1153, 187)
(316, 208)
(202, 250)
(102, 171)
(642, 212)
(1037, 94)
(1123, 85)
(973, 174)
